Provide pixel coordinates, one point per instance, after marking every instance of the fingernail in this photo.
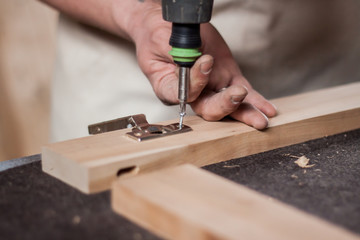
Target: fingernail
(274, 106)
(206, 67)
(247, 90)
(236, 99)
(266, 118)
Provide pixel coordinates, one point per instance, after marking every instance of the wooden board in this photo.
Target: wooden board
(27, 47)
(186, 202)
(92, 163)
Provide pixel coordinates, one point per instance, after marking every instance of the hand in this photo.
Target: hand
(217, 87)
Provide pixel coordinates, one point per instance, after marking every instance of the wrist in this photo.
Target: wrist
(134, 16)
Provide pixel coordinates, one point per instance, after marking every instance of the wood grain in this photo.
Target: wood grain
(91, 163)
(186, 202)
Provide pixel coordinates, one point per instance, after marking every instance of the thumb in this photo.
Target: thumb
(199, 76)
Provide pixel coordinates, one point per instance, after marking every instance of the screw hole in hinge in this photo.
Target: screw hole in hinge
(132, 170)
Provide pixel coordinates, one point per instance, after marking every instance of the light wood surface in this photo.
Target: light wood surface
(27, 42)
(91, 163)
(186, 202)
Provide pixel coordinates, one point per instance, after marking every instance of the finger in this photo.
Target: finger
(199, 76)
(251, 116)
(166, 89)
(214, 106)
(254, 98)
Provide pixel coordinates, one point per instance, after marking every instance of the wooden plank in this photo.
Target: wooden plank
(91, 163)
(185, 202)
(27, 47)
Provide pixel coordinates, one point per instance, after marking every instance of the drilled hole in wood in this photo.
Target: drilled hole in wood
(127, 171)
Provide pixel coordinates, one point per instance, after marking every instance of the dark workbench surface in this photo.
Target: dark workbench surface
(34, 205)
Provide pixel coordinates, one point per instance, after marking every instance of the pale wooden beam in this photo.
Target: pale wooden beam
(27, 51)
(186, 202)
(91, 163)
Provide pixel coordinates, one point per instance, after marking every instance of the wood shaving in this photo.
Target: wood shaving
(231, 166)
(303, 162)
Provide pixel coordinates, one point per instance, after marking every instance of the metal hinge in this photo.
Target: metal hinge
(141, 129)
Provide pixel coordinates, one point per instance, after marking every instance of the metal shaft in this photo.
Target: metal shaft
(184, 79)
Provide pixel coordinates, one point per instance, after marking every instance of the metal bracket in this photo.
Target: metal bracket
(141, 129)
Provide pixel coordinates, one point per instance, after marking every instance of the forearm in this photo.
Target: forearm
(120, 17)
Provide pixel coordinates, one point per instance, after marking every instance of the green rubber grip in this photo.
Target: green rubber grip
(185, 55)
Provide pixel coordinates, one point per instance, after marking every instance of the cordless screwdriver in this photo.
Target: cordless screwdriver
(186, 17)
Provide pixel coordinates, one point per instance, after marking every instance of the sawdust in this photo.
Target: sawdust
(303, 162)
(76, 220)
(294, 176)
(289, 155)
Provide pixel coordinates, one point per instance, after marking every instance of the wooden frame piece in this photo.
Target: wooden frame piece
(92, 163)
(186, 202)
